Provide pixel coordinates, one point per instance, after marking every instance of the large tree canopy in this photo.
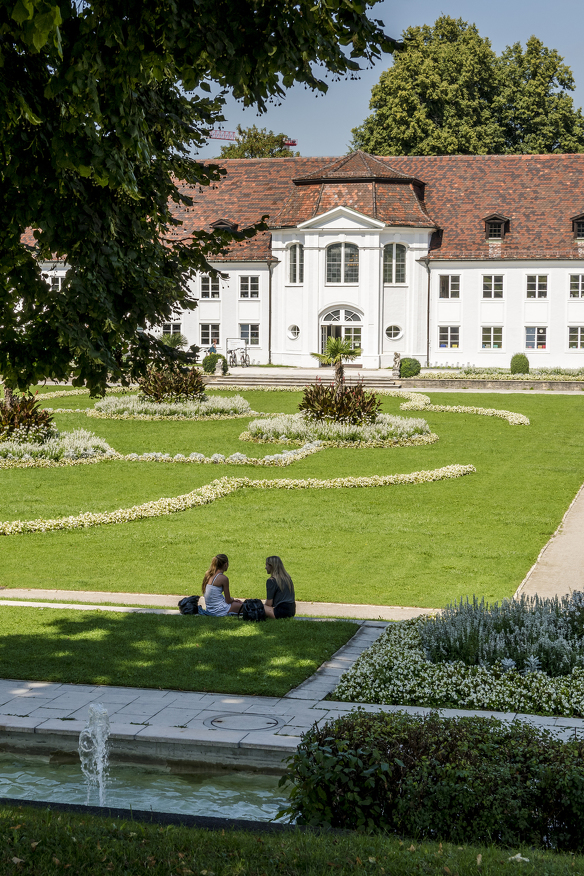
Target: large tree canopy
(254, 142)
(448, 93)
(101, 106)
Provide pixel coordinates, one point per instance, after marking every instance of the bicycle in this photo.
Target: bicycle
(244, 358)
(232, 359)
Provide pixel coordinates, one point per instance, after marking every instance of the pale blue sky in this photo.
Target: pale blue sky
(322, 124)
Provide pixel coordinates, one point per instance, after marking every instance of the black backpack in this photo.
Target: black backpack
(189, 605)
(252, 610)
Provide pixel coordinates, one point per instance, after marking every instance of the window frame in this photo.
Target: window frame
(293, 331)
(343, 264)
(298, 266)
(248, 340)
(249, 296)
(537, 278)
(210, 326)
(393, 264)
(492, 329)
(175, 328)
(450, 329)
(209, 296)
(395, 337)
(493, 278)
(578, 227)
(536, 329)
(580, 342)
(580, 294)
(449, 278)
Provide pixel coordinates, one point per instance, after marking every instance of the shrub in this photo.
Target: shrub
(210, 361)
(113, 407)
(23, 419)
(519, 364)
(341, 403)
(461, 780)
(172, 384)
(529, 634)
(409, 368)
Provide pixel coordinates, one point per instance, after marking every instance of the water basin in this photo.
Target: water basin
(251, 796)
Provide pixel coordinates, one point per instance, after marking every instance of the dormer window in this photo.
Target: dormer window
(578, 227)
(224, 225)
(496, 227)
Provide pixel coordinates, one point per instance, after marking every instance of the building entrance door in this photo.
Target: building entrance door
(341, 323)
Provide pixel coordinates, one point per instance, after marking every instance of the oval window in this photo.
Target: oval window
(393, 332)
(293, 332)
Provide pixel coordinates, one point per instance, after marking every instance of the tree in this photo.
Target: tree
(101, 105)
(254, 142)
(448, 93)
(338, 351)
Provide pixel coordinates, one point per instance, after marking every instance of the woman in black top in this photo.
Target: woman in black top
(280, 601)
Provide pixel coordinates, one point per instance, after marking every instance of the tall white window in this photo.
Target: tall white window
(492, 337)
(448, 336)
(296, 256)
(210, 332)
(576, 337)
(535, 337)
(342, 263)
(450, 286)
(209, 287)
(249, 287)
(250, 332)
(576, 285)
(171, 328)
(394, 263)
(493, 286)
(537, 286)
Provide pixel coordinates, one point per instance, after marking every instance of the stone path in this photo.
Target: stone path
(559, 569)
(165, 601)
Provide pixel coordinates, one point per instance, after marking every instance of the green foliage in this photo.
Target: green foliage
(464, 780)
(172, 383)
(175, 341)
(338, 351)
(254, 142)
(22, 418)
(210, 363)
(343, 404)
(519, 364)
(448, 93)
(102, 105)
(409, 367)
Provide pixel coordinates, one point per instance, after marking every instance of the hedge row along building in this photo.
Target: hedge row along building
(450, 259)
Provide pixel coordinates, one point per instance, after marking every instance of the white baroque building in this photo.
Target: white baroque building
(451, 259)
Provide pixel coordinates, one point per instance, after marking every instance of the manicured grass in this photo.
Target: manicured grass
(220, 655)
(404, 545)
(106, 847)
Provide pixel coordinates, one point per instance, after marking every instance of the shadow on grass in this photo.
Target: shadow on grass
(160, 651)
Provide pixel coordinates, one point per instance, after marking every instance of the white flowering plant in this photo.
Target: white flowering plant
(132, 407)
(75, 445)
(386, 431)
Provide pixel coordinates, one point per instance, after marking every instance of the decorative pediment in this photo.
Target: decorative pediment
(343, 218)
(225, 224)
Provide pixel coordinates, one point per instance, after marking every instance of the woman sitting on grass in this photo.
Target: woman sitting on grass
(218, 601)
(280, 601)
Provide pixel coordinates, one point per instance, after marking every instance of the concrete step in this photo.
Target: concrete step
(299, 381)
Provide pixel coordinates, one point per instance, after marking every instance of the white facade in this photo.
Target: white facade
(493, 316)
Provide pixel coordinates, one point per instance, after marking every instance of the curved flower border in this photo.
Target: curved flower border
(220, 488)
(430, 438)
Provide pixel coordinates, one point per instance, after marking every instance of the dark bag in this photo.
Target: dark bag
(189, 605)
(252, 610)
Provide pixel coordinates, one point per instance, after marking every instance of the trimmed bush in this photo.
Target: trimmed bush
(519, 364)
(461, 780)
(23, 419)
(409, 368)
(343, 404)
(210, 361)
(172, 384)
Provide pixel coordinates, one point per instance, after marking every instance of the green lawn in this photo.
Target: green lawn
(50, 842)
(221, 655)
(402, 545)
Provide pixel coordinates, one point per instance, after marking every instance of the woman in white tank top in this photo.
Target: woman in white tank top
(218, 600)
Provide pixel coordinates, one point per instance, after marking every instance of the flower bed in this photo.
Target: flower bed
(396, 671)
(132, 407)
(386, 431)
(220, 488)
(77, 445)
(561, 374)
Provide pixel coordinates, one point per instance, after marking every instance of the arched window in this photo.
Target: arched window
(394, 263)
(342, 263)
(296, 262)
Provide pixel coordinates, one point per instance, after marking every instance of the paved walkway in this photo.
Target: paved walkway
(559, 569)
(169, 602)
